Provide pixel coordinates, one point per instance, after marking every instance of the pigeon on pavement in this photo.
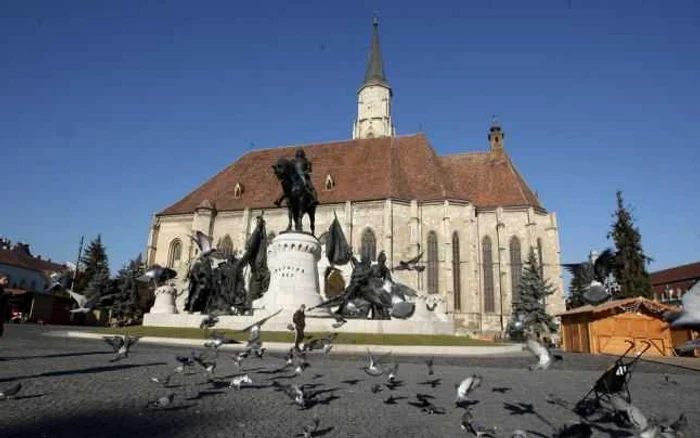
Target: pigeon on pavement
(10, 391)
(237, 381)
(161, 402)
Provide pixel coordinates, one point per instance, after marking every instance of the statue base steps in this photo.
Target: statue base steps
(433, 326)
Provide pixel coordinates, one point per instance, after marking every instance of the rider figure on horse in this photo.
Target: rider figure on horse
(304, 169)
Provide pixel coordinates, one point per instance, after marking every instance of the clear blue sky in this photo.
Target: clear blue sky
(110, 111)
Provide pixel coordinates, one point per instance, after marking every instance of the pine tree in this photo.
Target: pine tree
(533, 291)
(94, 277)
(630, 267)
(579, 284)
(125, 303)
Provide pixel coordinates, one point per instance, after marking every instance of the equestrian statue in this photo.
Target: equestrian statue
(295, 178)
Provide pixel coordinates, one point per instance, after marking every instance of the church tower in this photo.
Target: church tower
(374, 97)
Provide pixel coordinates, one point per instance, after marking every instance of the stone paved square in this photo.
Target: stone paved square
(71, 389)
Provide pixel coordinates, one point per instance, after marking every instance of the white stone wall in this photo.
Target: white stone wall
(400, 229)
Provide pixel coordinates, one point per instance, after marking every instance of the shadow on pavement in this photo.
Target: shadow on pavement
(92, 370)
(57, 355)
(105, 424)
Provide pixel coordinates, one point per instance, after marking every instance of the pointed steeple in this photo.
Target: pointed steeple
(375, 68)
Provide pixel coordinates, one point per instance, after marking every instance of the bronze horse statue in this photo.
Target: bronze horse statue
(300, 200)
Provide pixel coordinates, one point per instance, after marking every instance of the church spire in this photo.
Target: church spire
(374, 97)
(375, 67)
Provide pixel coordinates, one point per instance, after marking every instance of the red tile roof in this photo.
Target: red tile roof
(679, 277)
(404, 167)
(19, 259)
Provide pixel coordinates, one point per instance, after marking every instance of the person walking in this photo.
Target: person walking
(4, 303)
(299, 320)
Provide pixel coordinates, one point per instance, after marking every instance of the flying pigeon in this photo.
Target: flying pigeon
(375, 368)
(238, 359)
(689, 315)
(59, 280)
(467, 386)
(157, 274)
(209, 365)
(185, 362)
(121, 345)
(295, 392)
(392, 373)
(209, 321)
(408, 265)
(429, 363)
(300, 364)
(648, 428)
(219, 339)
(637, 419)
(254, 328)
(689, 346)
(544, 356)
(11, 391)
(597, 273)
(325, 344)
(161, 402)
(204, 245)
(310, 429)
(85, 305)
(237, 381)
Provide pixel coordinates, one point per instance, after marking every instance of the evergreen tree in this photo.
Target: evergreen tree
(125, 302)
(94, 276)
(630, 267)
(579, 284)
(533, 291)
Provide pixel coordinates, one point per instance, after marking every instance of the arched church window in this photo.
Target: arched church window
(433, 286)
(487, 263)
(456, 273)
(226, 247)
(369, 245)
(329, 183)
(516, 268)
(174, 252)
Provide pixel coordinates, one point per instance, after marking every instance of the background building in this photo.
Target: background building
(669, 285)
(472, 215)
(28, 279)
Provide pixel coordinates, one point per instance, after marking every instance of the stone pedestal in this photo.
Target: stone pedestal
(165, 300)
(292, 258)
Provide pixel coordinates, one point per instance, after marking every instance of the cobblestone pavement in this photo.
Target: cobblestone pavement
(71, 389)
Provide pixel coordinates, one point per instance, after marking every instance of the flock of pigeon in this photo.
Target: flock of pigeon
(384, 372)
(386, 375)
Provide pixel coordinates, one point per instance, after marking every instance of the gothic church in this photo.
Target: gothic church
(472, 215)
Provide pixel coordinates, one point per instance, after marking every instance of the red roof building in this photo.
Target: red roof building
(669, 285)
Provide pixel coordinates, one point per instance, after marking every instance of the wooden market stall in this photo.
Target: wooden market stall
(607, 328)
